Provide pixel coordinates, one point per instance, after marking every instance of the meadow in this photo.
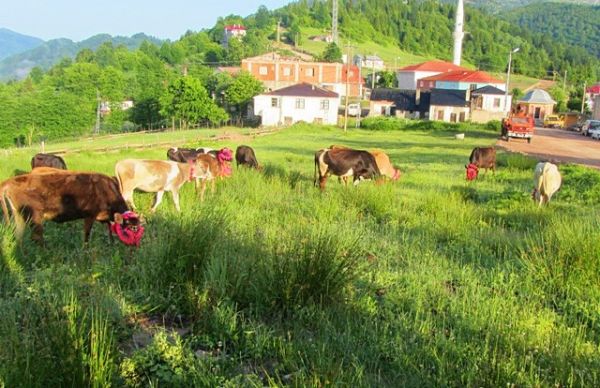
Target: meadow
(428, 281)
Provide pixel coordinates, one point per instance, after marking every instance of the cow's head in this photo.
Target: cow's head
(128, 228)
(224, 155)
(472, 172)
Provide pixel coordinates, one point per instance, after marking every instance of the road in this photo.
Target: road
(557, 145)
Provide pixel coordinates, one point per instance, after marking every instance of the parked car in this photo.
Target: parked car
(589, 125)
(594, 131)
(354, 110)
(554, 121)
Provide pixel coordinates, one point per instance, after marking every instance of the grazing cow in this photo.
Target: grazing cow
(184, 155)
(344, 162)
(245, 156)
(381, 158)
(547, 181)
(48, 160)
(481, 157)
(60, 196)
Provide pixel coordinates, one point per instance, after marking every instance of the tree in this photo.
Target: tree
(386, 79)
(294, 35)
(560, 96)
(242, 89)
(332, 53)
(187, 100)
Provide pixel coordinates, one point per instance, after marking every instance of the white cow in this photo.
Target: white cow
(547, 181)
(155, 176)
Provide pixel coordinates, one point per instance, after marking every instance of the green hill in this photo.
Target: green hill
(569, 24)
(51, 52)
(13, 43)
(496, 6)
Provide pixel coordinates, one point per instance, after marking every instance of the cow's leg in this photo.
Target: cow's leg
(37, 232)
(87, 228)
(212, 185)
(175, 194)
(158, 200)
(202, 189)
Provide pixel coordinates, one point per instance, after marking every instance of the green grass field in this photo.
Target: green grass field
(429, 281)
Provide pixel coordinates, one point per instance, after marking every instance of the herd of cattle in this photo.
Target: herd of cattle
(51, 192)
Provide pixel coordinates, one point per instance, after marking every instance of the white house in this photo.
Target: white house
(300, 102)
(369, 61)
(409, 75)
(449, 105)
(234, 31)
(488, 103)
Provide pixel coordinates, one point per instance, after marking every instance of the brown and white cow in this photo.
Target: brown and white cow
(383, 163)
(358, 164)
(48, 160)
(61, 196)
(481, 157)
(547, 181)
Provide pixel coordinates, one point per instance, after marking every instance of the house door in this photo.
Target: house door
(461, 117)
(440, 115)
(537, 112)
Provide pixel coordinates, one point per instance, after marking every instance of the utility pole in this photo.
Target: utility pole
(334, 22)
(373, 72)
(583, 97)
(348, 47)
(97, 127)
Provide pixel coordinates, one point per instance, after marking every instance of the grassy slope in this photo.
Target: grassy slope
(455, 283)
(392, 54)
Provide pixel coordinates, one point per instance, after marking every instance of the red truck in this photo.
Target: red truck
(518, 126)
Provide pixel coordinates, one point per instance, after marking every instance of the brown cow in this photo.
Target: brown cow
(481, 157)
(61, 196)
(48, 160)
(381, 158)
(344, 163)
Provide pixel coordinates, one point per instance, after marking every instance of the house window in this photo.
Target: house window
(274, 103)
(461, 117)
(479, 103)
(496, 103)
(299, 103)
(263, 70)
(440, 115)
(324, 104)
(286, 71)
(453, 117)
(310, 72)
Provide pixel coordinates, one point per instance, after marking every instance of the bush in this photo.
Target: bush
(386, 123)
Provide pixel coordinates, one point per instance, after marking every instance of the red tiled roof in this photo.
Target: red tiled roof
(303, 90)
(595, 89)
(233, 27)
(440, 66)
(476, 76)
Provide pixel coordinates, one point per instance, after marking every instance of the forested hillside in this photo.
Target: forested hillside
(575, 25)
(63, 100)
(495, 6)
(12, 43)
(44, 55)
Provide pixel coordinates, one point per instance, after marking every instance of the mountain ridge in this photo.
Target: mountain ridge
(12, 42)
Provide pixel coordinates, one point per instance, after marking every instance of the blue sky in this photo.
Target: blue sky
(80, 19)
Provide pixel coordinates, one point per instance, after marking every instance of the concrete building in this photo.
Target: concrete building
(301, 102)
(409, 76)
(596, 111)
(369, 62)
(234, 31)
(536, 102)
(399, 103)
(461, 80)
(488, 104)
(276, 72)
(449, 105)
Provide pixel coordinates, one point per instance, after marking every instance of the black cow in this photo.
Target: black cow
(358, 164)
(48, 160)
(183, 155)
(245, 156)
(481, 157)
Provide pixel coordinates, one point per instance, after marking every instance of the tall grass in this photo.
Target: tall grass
(429, 281)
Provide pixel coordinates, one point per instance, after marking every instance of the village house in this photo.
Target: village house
(276, 72)
(400, 103)
(300, 102)
(489, 103)
(409, 75)
(450, 105)
(369, 61)
(536, 102)
(590, 96)
(105, 106)
(234, 31)
(460, 80)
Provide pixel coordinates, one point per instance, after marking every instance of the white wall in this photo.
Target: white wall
(488, 103)
(596, 112)
(448, 110)
(272, 116)
(408, 79)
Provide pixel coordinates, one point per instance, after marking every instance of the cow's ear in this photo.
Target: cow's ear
(118, 218)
